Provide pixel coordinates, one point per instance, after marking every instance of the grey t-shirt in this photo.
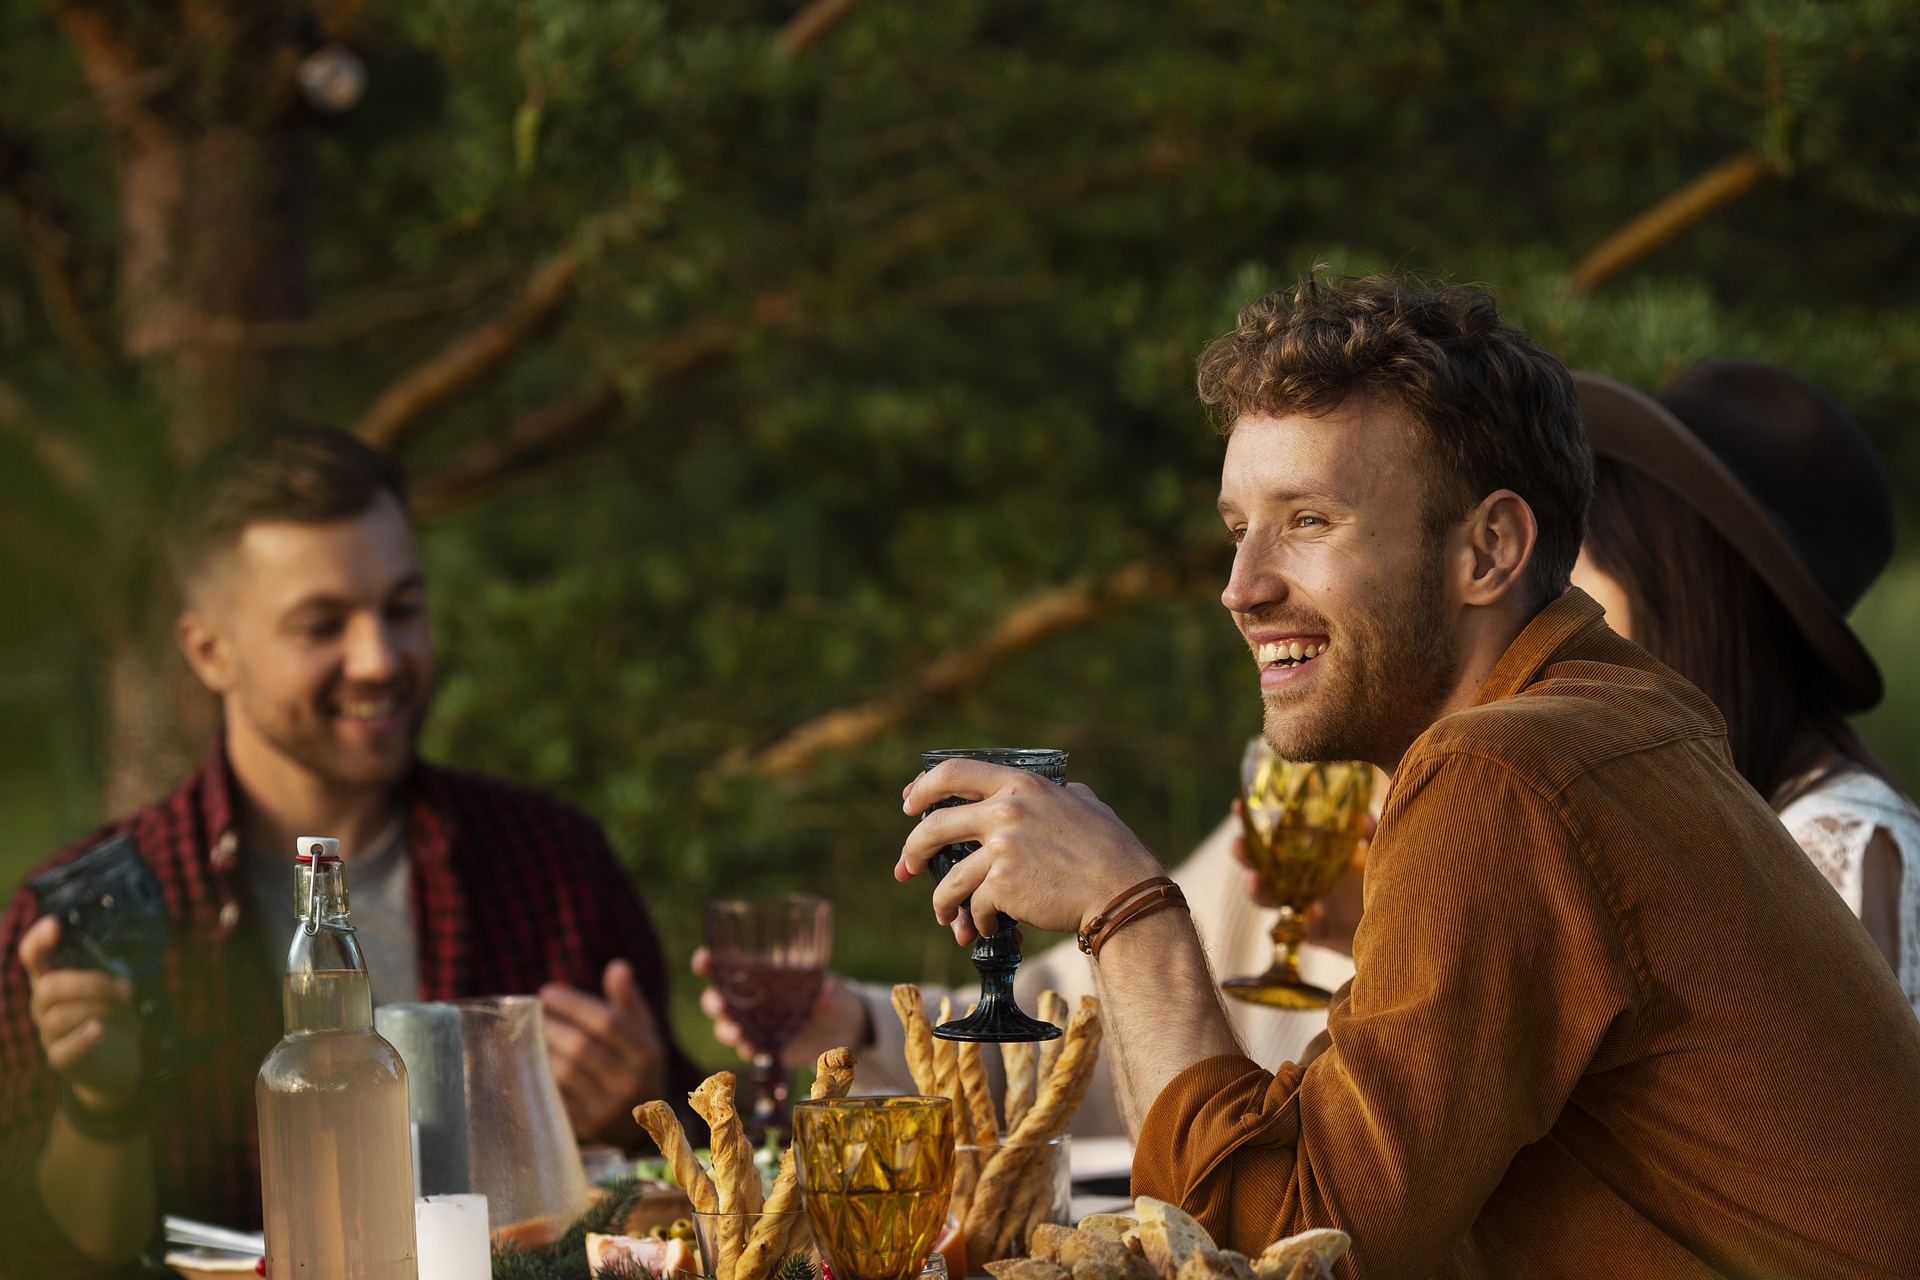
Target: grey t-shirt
(379, 898)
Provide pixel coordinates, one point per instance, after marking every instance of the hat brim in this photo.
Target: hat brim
(1630, 426)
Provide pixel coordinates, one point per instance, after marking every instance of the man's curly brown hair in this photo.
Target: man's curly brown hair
(1499, 411)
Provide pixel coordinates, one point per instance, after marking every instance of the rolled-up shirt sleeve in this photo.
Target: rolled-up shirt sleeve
(1490, 975)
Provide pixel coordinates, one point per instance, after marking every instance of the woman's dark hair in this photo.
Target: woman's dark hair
(1699, 607)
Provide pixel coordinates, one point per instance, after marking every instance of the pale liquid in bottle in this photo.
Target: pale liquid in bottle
(336, 1159)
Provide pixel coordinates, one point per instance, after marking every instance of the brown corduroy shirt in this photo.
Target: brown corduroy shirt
(1608, 1020)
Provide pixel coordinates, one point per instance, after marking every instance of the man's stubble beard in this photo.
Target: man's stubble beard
(306, 742)
(1398, 663)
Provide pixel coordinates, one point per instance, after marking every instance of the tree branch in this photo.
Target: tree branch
(561, 425)
(63, 460)
(1036, 619)
(470, 358)
(1666, 221)
(342, 326)
(535, 436)
(813, 23)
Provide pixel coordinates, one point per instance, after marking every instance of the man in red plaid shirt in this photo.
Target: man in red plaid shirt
(305, 613)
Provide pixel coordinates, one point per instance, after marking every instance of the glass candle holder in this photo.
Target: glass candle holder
(877, 1174)
(1041, 1190)
(750, 1246)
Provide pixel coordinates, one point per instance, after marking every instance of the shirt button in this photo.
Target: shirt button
(224, 850)
(229, 915)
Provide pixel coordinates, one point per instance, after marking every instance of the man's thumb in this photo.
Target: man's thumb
(623, 992)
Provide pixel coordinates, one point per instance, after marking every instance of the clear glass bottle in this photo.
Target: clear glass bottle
(336, 1154)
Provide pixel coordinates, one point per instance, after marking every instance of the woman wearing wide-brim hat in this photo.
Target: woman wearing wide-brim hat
(1738, 517)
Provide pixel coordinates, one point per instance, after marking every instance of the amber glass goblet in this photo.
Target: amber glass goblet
(1302, 822)
(998, 1019)
(875, 1175)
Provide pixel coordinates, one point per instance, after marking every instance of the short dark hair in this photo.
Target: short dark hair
(1700, 607)
(1500, 412)
(302, 473)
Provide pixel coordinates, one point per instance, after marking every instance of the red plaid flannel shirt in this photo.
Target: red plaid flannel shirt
(510, 890)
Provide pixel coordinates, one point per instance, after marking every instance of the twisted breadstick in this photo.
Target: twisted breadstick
(663, 1126)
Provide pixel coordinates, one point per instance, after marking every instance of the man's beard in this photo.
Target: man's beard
(1397, 663)
(308, 741)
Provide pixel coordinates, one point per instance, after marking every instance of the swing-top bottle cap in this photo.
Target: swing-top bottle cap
(307, 848)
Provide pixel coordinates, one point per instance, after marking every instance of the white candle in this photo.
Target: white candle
(450, 1233)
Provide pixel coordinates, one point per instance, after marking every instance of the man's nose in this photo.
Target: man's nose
(1250, 585)
(372, 656)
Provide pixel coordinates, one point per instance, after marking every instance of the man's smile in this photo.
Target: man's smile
(367, 712)
(1284, 659)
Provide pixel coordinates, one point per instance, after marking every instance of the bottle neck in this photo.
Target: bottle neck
(326, 986)
(320, 893)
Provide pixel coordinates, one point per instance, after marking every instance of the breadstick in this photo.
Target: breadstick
(1018, 1059)
(946, 1061)
(920, 1052)
(1029, 1204)
(978, 1097)
(1052, 1008)
(768, 1243)
(1060, 1096)
(663, 1127)
(833, 1074)
(735, 1177)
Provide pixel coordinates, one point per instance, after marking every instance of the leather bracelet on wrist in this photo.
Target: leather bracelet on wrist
(1141, 900)
(103, 1126)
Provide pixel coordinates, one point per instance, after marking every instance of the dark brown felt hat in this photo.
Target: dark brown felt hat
(1785, 474)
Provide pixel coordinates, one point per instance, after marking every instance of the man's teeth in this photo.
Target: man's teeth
(1289, 651)
(367, 710)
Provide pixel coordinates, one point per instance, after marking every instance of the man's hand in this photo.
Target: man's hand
(607, 1055)
(839, 1018)
(1050, 856)
(87, 1025)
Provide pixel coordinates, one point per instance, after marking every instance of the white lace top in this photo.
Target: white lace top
(1834, 822)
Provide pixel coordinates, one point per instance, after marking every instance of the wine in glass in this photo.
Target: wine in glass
(1302, 822)
(768, 961)
(998, 1018)
(875, 1175)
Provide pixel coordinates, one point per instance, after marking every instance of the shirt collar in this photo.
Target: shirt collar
(1567, 618)
(220, 817)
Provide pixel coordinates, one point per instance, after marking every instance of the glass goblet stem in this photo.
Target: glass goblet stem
(1289, 931)
(769, 1098)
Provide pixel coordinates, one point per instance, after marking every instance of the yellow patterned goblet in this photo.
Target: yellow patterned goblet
(1302, 822)
(876, 1175)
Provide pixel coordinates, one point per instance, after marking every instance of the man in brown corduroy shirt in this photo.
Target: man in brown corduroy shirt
(1608, 1020)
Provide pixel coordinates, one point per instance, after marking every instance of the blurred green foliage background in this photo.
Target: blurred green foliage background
(869, 337)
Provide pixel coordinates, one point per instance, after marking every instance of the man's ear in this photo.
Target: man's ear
(205, 648)
(1502, 534)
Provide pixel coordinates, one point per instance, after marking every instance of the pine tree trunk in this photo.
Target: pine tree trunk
(157, 719)
(211, 178)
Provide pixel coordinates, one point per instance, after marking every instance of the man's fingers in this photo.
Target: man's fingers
(87, 986)
(623, 993)
(591, 1015)
(965, 779)
(702, 961)
(581, 1059)
(37, 944)
(959, 884)
(962, 824)
(65, 1052)
(64, 1017)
